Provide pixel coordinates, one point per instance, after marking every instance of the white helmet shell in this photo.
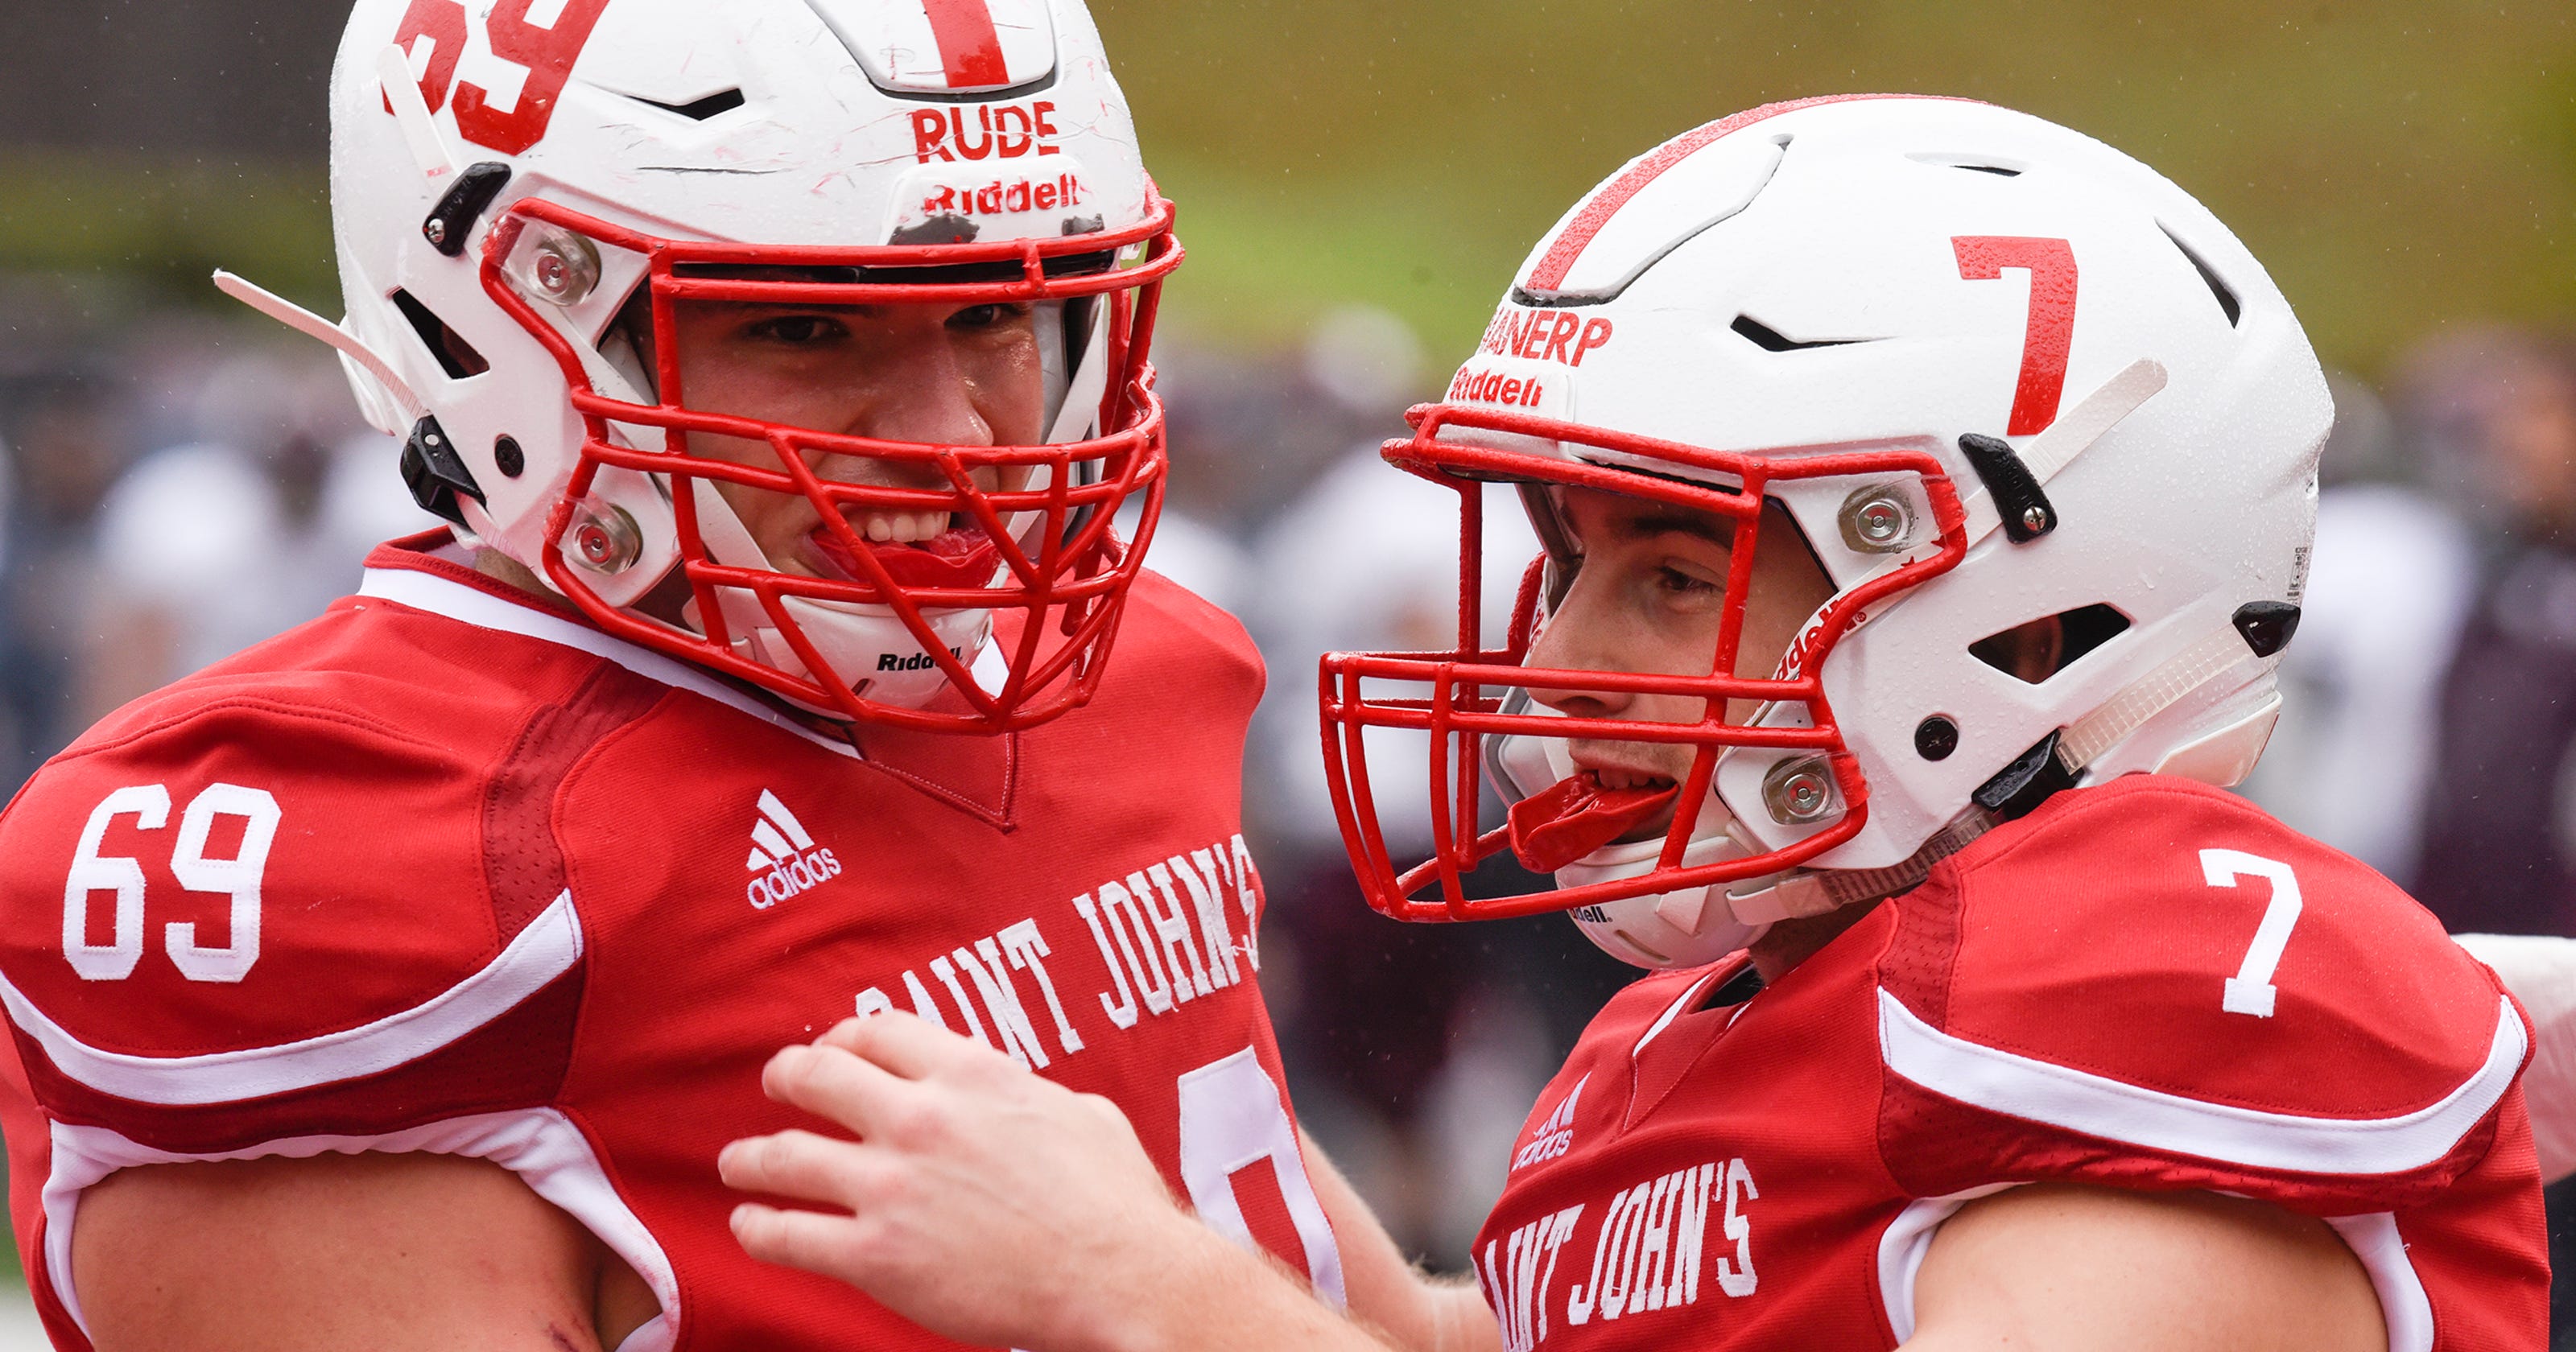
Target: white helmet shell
(466, 134)
(1887, 276)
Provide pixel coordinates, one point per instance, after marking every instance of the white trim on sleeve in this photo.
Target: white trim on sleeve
(466, 605)
(2407, 1311)
(2018, 1086)
(545, 950)
(2403, 1306)
(542, 1146)
(1902, 1245)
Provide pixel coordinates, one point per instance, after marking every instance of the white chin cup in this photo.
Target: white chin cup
(1689, 928)
(865, 645)
(872, 650)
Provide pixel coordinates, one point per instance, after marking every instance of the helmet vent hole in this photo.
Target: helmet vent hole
(1995, 169)
(455, 356)
(2227, 301)
(2037, 651)
(700, 110)
(1769, 339)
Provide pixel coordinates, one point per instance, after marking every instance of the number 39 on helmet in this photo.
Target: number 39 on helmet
(1993, 373)
(523, 196)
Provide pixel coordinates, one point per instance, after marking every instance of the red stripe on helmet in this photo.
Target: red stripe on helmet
(969, 47)
(1587, 225)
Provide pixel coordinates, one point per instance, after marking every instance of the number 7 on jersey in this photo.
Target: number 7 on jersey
(2250, 991)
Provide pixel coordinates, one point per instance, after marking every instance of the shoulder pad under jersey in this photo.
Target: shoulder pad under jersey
(2153, 983)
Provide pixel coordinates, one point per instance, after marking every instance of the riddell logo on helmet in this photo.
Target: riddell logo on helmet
(784, 860)
(1493, 387)
(1005, 199)
(916, 662)
(1559, 336)
(1008, 132)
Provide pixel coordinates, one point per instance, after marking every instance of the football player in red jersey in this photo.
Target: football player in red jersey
(780, 365)
(1927, 493)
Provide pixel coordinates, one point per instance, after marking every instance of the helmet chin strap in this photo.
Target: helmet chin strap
(1810, 892)
(2062, 758)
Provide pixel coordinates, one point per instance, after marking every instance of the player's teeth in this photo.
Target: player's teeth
(879, 529)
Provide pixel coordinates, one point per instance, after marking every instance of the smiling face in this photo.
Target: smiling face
(1648, 595)
(947, 375)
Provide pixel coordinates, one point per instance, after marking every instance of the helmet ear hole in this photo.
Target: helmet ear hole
(2038, 650)
(454, 355)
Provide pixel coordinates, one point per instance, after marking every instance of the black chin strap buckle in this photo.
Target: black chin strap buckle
(2026, 511)
(436, 474)
(2026, 783)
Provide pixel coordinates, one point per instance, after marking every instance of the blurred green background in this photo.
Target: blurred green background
(2397, 163)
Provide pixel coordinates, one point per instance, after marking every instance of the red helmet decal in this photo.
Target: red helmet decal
(1561, 256)
(544, 52)
(2051, 264)
(969, 46)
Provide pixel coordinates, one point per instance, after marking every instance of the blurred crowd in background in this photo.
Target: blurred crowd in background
(178, 484)
(178, 481)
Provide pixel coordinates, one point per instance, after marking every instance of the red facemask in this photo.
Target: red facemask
(1064, 574)
(1460, 698)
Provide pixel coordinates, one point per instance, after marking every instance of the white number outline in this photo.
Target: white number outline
(1232, 1117)
(2251, 991)
(240, 877)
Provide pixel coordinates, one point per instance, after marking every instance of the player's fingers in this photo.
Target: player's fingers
(843, 1035)
(830, 1245)
(832, 1083)
(916, 1049)
(797, 1164)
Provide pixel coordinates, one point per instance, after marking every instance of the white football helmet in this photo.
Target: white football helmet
(1995, 372)
(514, 200)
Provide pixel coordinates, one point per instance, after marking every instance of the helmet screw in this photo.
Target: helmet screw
(1935, 738)
(1877, 520)
(436, 230)
(606, 542)
(512, 461)
(2035, 517)
(1799, 792)
(562, 268)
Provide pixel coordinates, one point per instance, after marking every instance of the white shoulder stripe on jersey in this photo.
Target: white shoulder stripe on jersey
(2018, 1086)
(466, 605)
(545, 950)
(542, 1146)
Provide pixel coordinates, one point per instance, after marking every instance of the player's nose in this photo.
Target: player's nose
(922, 394)
(1575, 639)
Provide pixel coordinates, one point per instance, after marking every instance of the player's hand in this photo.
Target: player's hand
(979, 1200)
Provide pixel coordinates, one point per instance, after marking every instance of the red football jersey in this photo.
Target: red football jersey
(448, 870)
(2148, 985)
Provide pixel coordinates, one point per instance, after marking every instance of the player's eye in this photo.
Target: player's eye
(798, 330)
(986, 316)
(1679, 583)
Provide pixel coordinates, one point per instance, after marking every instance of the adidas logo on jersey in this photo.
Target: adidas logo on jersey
(1554, 1136)
(783, 860)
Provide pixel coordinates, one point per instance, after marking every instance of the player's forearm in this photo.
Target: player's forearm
(1413, 1311)
(1206, 1294)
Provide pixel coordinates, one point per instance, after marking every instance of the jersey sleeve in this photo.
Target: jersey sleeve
(2153, 984)
(255, 920)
